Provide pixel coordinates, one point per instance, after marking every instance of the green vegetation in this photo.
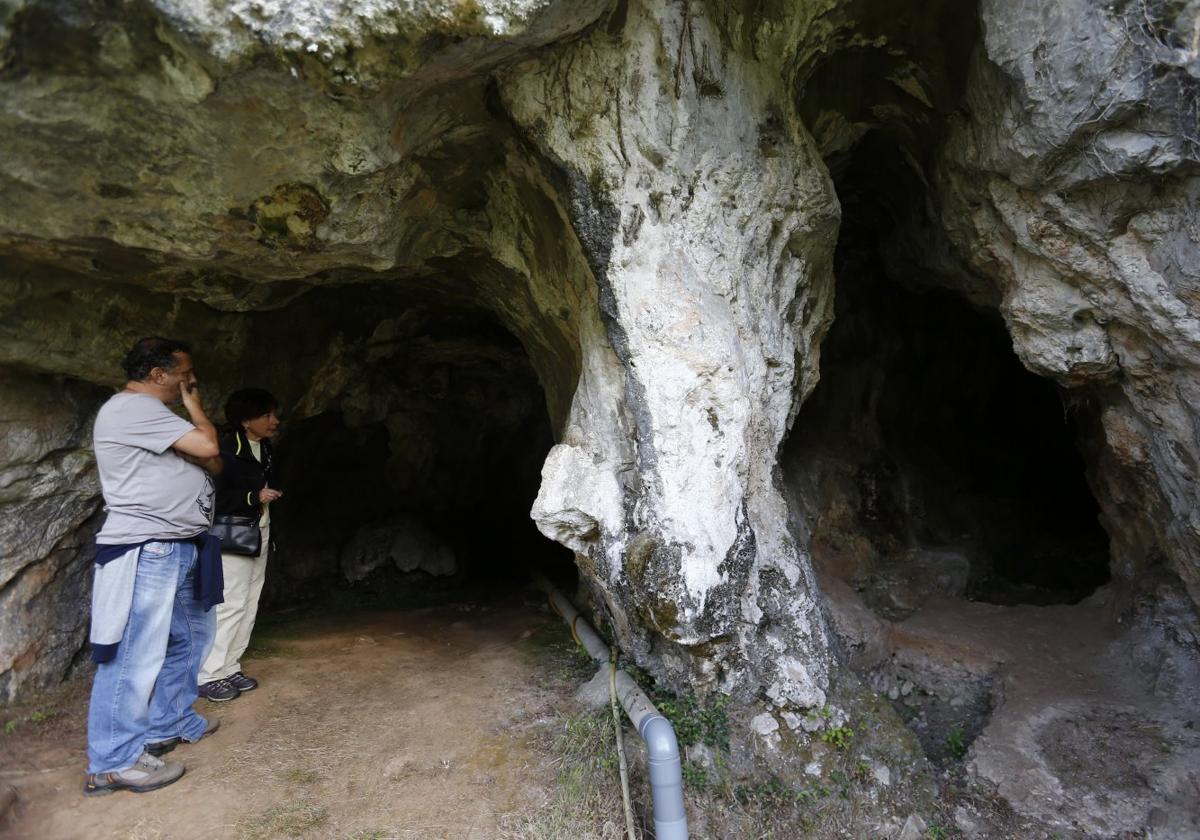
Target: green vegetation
(551, 643)
(820, 715)
(695, 721)
(36, 716)
(956, 742)
(838, 736)
(775, 793)
(300, 776)
(837, 780)
(695, 777)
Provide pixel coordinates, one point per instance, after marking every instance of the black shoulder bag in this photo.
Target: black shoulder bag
(238, 534)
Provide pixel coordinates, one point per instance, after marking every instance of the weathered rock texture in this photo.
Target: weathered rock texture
(1072, 189)
(928, 461)
(243, 164)
(465, 241)
(48, 489)
(710, 226)
(155, 186)
(1048, 173)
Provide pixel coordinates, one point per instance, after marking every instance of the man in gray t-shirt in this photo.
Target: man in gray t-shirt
(150, 491)
(150, 631)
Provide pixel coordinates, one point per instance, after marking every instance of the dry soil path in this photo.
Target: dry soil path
(372, 725)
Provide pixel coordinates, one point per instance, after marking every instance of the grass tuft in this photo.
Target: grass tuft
(301, 776)
(291, 819)
(586, 803)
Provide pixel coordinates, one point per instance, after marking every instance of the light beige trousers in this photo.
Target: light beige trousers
(244, 578)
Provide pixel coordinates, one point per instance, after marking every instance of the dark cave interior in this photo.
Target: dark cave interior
(928, 460)
(932, 461)
(431, 449)
(956, 461)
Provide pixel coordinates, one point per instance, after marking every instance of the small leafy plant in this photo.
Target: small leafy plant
(838, 736)
(695, 777)
(956, 742)
(697, 722)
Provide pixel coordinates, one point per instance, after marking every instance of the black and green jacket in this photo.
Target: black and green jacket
(242, 476)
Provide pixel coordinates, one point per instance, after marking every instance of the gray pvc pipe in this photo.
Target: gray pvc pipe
(666, 771)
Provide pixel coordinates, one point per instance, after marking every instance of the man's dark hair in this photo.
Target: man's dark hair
(247, 404)
(152, 352)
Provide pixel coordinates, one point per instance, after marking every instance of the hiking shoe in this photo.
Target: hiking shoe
(218, 691)
(242, 683)
(159, 748)
(147, 773)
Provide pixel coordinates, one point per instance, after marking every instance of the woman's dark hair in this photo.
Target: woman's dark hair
(149, 353)
(247, 404)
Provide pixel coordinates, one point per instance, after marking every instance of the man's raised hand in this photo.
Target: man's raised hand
(191, 397)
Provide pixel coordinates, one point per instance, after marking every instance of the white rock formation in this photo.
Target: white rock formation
(709, 226)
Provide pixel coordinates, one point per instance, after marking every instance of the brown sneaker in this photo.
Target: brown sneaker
(147, 773)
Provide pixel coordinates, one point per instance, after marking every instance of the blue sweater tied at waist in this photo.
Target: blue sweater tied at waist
(112, 589)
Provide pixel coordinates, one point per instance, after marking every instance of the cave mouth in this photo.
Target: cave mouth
(927, 461)
(948, 468)
(418, 470)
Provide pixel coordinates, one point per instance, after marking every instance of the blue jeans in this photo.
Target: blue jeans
(146, 692)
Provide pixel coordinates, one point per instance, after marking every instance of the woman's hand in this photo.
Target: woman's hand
(267, 495)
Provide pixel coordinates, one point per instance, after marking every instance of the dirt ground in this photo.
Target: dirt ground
(458, 721)
(405, 724)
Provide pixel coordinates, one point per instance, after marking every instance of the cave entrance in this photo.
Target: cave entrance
(928, 460)
(937, 482)
(948, 469)
(933, 470)
(421, 462)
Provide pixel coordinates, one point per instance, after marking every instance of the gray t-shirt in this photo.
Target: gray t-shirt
(150, 492)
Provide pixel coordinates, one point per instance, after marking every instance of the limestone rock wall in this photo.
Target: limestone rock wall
(709, 224)
(637, 204)
(156, 182)
(640, 193)
(49, 497)
(1071, 189)
(1040, 161)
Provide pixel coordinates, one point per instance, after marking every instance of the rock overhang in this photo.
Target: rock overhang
(638, 194)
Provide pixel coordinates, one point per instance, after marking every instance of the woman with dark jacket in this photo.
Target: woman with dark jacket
(244, 488)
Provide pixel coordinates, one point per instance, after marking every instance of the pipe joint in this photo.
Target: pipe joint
(666, 770)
